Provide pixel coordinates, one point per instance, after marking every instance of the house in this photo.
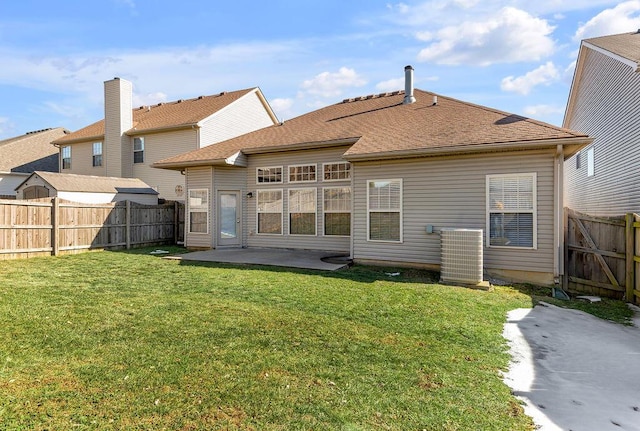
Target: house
(22, 155)
(604, 102)
(86, 188)
(379, 176)
(128, 141)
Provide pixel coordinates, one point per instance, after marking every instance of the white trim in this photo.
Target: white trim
(206, 208)
(337, 163)
(314, 193)
(315, 165)
(265, 212)
(324, 211)
(632, 64)
(270, 182)
(399, 211)
(533, 211)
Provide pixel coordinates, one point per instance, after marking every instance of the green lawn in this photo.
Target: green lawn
(115, 340)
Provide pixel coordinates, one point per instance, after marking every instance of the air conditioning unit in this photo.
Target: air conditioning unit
(461, 259)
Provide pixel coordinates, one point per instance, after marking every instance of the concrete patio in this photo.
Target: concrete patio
(305, 259)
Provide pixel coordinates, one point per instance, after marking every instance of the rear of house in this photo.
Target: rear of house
(378, 177)
(604, 102)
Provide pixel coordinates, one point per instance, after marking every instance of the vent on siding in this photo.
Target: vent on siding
(461, 260)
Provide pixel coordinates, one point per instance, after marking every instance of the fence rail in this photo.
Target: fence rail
(602, 255)
(52, 226)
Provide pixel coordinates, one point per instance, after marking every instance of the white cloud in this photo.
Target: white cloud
(332, 85)
(543, 111)
(625, 17)
(390, 85)
(148, 99)
(543, 75)
(282, 107)
(512, 35)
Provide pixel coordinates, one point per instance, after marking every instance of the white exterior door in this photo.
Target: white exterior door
(229, 218)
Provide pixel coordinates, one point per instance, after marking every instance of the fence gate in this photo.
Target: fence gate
(601, 255)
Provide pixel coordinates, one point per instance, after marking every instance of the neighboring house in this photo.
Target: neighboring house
(22, 155)
(86, 189)
(128, 140)
(378, 177)
(605, 103)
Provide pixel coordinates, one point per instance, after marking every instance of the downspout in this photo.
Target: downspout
(558, 217)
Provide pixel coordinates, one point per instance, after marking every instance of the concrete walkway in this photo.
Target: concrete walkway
(306, 259)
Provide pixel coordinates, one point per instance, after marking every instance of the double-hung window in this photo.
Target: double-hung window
(97, 154)
(198, 211)
(66, 157)
(384, 210)
(138, 150)
(511, 210)
(269, 211)
(337, 211)
(302, 211)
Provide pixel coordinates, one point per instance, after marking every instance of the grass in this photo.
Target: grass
(118, 340)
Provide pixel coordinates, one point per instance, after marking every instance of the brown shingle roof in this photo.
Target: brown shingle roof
(381, 126)
(168, 115)
(90, 183)
(626, 45)
(31, 151)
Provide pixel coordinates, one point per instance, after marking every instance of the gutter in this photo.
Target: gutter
(472, 149)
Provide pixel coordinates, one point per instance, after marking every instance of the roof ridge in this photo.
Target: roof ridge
(373, 96)
(201, 97)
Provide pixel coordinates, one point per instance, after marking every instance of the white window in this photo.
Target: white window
(511, 210)
(337, 211)
(138, 150)
(97, 154)
(339, 171)
(66, 157)
(578, 160)
(269, 210)
(302, 174)
(198, 211)
(590, 162)
(302, 211)
(271, 175)
(384, 210)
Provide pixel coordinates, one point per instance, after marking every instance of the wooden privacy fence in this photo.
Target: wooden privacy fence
(602, 255)
(53, 227)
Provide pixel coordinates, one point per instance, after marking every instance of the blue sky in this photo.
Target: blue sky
(517, 56)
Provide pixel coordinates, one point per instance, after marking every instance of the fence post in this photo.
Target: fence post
(176, 221)
(630, 254)
(55, 228)
(128, 224)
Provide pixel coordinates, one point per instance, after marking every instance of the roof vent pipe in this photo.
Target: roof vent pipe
(408, 86)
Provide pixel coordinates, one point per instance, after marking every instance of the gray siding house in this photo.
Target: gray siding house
(128, 140)
(378, 177)
(604, 102)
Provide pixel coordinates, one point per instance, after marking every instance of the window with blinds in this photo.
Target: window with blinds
(384, 210)
(269, 210)
(511, 210)
(302, 211)
(337, 211)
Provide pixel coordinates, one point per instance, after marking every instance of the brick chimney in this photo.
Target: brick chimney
(118, 118)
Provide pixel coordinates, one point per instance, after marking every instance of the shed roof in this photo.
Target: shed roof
(31, 151)
(381, 126)
(166, 115)
(93, 184)
(626, 45)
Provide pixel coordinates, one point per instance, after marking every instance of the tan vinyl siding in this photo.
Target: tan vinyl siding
(82, 160)
(199, 178)
(285, 159)
(159, 146)
(243, 116)
(118, 119)
(606, 107)
(450, 192)
(230, 179)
